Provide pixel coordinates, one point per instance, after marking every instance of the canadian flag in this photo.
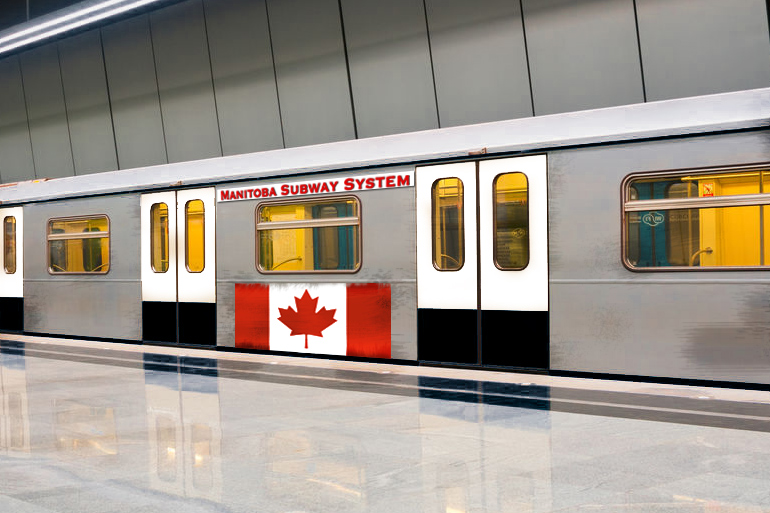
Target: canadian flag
(326, 318)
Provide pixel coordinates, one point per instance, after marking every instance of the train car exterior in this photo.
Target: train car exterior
(624, 241)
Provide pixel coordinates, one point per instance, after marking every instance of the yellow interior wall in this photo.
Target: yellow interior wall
(730, 232)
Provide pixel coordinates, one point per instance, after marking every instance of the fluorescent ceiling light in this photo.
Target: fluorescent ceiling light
(65, 20)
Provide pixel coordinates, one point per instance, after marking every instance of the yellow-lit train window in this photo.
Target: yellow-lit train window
(511, 218)
(309, 236)
(159, 237)
(79, 245)
(195, 218)
(447, 224)
(683, 235)
(9, 244)
(698, 220)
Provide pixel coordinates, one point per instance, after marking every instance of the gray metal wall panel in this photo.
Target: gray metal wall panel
(390, 67)
(15, 147)
(605, 318)
(83, 309)
(582, 54)
(88, 109)
(133, 92)
(479, 60)
(87, 305)
(311, 71)
(692, 48)
(184, 82)
(244, 76)
(384, 259)
(49, 133)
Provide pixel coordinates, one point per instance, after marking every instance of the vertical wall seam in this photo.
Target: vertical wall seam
(109, 99)
(26, 109)
(430, 58)
(157, 86)
(347, 68)
(639, 47)
(526, 56)
(66, 110)
(275, 74)
(211, 71)
(767, 11)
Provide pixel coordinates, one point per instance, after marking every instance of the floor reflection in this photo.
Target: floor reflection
(184, 426)
(14, 415)
(173, 433)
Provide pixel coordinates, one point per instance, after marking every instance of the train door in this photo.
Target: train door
(482, 262)
(12, 270)
(178, 267)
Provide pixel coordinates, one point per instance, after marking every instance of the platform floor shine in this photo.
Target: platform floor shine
(98, 427)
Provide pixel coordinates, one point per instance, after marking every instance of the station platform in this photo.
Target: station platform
(108, 427)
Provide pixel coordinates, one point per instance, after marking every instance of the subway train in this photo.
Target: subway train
(622, 242)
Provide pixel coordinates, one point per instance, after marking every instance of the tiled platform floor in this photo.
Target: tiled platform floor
(96, 427)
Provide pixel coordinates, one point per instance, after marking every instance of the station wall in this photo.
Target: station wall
(204, 78)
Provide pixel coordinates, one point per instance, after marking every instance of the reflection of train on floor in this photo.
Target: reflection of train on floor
(622, 241)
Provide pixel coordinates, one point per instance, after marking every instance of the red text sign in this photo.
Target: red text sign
(325, 186)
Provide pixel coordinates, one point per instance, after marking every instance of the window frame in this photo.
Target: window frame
(15, 246)
(187, 236)
(628, 206)
(310, 223)
(494, 224)
(461, 222)
(70, 236)
(153, 245)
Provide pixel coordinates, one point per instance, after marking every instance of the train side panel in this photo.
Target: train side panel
(699, 324)
(387, 262)
(91, 305)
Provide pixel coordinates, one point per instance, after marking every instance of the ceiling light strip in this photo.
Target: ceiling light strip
(65, 23)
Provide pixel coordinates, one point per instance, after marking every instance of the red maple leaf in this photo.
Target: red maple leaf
(305, 320)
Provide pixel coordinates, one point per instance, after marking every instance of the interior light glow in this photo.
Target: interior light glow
(70, 21)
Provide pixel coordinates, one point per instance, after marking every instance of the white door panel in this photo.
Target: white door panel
(527, 289)
(158, 286)
(178, 283)
(12, 285)
(197, 287)
(513, 290)
(446, 289)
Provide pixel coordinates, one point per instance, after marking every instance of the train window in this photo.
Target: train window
(698, 220)
(195, 254)
(159, 237)
(448, 229)
(9, 244)
(318, 236)
(511, 218)
(79, 245)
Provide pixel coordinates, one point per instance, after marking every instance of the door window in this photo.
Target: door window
(9, 244)
(511, 221)
(447, 226)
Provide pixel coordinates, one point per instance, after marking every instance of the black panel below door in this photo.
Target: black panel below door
(158, 321)
(514, 339)
(11, 313)
(447, 336)
(198, 324)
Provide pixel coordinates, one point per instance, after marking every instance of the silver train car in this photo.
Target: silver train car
(627, 241)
